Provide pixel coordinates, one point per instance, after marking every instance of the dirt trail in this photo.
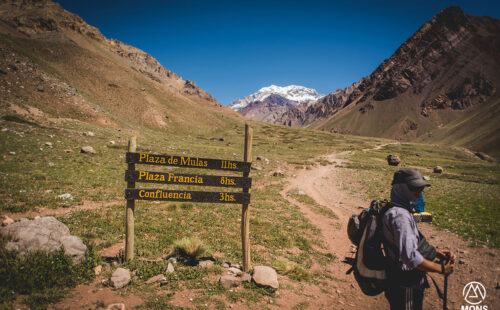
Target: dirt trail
(324, 185)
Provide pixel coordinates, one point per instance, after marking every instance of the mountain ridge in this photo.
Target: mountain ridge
(296, 94)
(55, 63)
(445, 70)
(269, 103)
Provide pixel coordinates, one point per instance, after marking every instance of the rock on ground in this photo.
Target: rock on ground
(265, 276)
(438, 169)
(120, 278)
(66, 196)
(245, 277)
(278, 173)
(229, 281)
(118, 306)
(7, 221)
(158, 278)
(205, 263)
(46, 234)
(393, 160)
(170, 268)
(88, 150)
(234, 270)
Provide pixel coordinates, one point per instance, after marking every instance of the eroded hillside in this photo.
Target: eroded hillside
(54, 65)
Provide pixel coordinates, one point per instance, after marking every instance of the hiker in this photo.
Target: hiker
(410, 256)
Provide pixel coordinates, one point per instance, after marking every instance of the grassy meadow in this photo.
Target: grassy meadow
(464, 199)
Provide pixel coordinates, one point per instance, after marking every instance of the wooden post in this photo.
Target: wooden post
(245, 211)
(129, 226)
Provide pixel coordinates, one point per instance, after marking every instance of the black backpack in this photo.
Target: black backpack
(371, 267)
(364, 230)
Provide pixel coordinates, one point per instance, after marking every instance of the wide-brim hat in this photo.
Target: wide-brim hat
(410, 177)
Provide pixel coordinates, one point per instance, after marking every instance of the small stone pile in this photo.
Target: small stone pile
(262, 275)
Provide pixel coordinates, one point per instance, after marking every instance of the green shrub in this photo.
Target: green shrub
(42, 276)
(190, 249)
(292, 270)
(146, 270)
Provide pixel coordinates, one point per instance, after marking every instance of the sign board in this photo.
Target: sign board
(186, 196)
(187, 179)
(132, 193)
(187, 162)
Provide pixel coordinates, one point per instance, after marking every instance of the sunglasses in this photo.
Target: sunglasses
(415, 189)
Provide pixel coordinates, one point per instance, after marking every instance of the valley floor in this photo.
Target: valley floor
(325, 185)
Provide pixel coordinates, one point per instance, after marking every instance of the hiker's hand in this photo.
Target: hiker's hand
(448, 268)
(442, 254)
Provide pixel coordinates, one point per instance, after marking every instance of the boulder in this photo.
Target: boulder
(393, 160)
(88, 150)
(120, 278)
(438, 169)
(46, 234)
(229, 281)
(265, 276)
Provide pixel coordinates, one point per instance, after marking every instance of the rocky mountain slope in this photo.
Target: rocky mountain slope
(436, 81)
(269, 103)
(53, 64)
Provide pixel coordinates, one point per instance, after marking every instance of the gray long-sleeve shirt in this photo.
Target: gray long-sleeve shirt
(400, 229)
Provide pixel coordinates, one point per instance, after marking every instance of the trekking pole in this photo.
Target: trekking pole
(445, 261)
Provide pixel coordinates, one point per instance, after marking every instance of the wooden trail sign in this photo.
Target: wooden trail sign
(186, 196)
(187, 162)
(132, 176)
(187, 179)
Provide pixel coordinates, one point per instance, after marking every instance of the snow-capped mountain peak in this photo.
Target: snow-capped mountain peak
(294, 93)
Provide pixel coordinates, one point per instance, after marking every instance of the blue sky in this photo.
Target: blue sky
(233, 48)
